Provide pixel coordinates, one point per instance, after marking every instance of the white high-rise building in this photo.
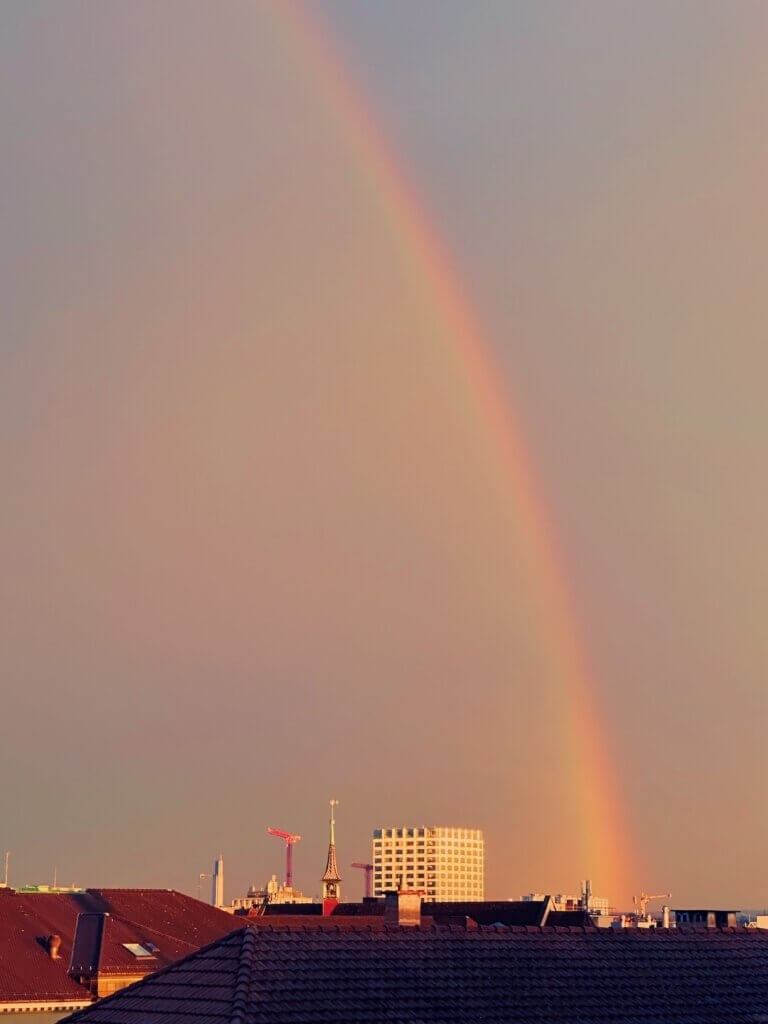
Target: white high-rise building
(217, 879)
(446, 863)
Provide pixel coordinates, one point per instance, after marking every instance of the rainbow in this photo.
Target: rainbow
(603, 836)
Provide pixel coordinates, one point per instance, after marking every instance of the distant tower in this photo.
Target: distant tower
(331, 878)
(217, 897)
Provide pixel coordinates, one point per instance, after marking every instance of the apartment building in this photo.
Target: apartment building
(445, 862)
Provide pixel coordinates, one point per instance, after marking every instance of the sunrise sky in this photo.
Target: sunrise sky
(382, 417)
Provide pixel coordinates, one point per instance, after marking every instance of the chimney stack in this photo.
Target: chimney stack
(54, 945)
(403, 908)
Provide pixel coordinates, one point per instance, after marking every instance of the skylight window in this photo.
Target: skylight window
(138, 950)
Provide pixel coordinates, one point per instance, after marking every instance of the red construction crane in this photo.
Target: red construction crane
(289, 839)
(368, 869)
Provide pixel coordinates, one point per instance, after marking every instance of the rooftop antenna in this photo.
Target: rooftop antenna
(7, 859)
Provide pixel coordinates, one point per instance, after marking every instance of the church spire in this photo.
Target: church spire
(331, 878)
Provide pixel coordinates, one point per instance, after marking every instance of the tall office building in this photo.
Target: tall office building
(446, 863)
(217, 895)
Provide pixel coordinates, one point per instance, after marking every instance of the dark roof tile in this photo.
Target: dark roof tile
(442, 975)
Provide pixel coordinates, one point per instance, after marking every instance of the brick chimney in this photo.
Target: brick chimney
(54, 945)
(403, 908)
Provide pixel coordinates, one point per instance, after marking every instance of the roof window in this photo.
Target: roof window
(139, 950)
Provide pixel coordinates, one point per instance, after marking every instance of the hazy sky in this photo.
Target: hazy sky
(255, 551)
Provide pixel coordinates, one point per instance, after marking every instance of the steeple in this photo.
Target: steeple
(331, 878)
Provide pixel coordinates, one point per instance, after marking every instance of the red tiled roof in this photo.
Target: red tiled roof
(175, 923)
(455, 976)
(26, 970)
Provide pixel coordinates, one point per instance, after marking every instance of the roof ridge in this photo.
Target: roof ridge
(126, 888)
(242, 993)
